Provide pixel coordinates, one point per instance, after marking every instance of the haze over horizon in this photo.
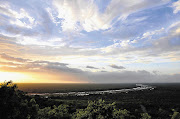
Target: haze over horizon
(90, 41)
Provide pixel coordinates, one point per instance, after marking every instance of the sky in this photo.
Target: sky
(90, 41)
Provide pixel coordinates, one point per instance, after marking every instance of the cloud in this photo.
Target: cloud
(20, 19)
(50, 63)
(8, 45)
(33, 66)
(43, 71)
(7, 39)
(116, 67)
(103, 71)
(84, 15)
(37, 36)
(176, 6)
(8, 64)
(149, 35)
(72, 12)
(140, 76)
(91, 67)
(157, 42)
(26, 19)
(57, 68)
(7, 57)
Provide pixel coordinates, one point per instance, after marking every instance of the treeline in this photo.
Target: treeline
(15, 104)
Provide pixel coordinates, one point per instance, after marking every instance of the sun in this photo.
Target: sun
(14, 76)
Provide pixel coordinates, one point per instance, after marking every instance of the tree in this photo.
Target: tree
(176, 115)
(11, 101)
(33, 108)
(60, 112)
(14, 103)
(145, 116)
(120, 114)
(100, 110)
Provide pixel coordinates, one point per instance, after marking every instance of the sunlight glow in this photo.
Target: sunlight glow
(14, 76)
(17, 77)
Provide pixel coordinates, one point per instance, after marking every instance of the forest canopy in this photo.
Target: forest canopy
(15, 104)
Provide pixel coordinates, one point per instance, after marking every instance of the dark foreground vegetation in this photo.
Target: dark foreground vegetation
(162, 103)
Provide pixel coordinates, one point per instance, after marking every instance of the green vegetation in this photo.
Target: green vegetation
(54, 113)
(100, 110)
(176, 115)
(15, 104)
